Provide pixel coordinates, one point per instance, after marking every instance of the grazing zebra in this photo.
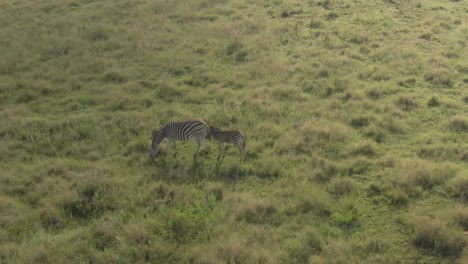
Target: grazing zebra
(185, 130)
(228, 136)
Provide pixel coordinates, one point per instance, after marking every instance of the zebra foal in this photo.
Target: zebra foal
(185, 130)
(228, 136)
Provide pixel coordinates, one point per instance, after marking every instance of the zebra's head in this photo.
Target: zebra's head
(213, 132)
(156, 139)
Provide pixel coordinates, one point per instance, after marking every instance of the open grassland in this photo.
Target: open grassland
(355, 112)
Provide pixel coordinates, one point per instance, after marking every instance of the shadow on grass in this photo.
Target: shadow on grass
(192, 170)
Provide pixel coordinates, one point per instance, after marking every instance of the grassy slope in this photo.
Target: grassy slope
(355, 113)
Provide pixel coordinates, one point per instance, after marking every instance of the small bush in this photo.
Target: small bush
(375, 133)
(257, 212)
(138, 235)
(459, 216)
(341, 186)
(434, 236)
(269, 169)
(458, 187)
(217, 193)
(361, 121)
(242, 56)
(346, 216)
(374, 93)
(26, 97)
(234, 252)
(392, 125)
(51, 220)
(458, 124)
(398, 197)
(92, 200)
(376, 245)
(439, 77)
(234, 47)
(300, 249)
(416, 176)
(315, 200)
(326, 170)
(364, 149)
(104, 237)
(315, 23)
(433, 102)
(426, 36)
(182, 228)
(407, 103)
(114, 77)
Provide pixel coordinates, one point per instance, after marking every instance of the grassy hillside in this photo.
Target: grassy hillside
(355, 112)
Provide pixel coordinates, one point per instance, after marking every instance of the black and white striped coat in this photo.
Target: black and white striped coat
(235, 137)
(185, 130)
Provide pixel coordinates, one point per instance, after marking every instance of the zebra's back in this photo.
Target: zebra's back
(186, 129)
(228, 136)
(232, 136)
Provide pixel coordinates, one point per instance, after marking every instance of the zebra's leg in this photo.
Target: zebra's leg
(223, 150)
(207, 147)
(197, 140)
(239, 147)
(174, 145)
(221, 147)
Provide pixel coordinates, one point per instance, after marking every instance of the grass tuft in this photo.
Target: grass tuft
(258, 212)
(458, 124)
(433, 102)
(440, 77)
(341, 186)
(458, 187)
(437, 238)
(407, 103)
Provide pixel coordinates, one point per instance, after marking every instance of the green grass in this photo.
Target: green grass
(355, 115)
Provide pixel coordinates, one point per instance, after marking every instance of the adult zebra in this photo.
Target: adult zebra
(235, 137)
(185, 130)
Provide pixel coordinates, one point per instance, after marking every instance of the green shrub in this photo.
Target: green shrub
(374, 93)
(423, 175)
(52, 220)
(364, 149)
(104, 236)
(376, 245)
(398, 197)
(258, 212)
(458, 124)
(114, 77)
(459, 216)
(269, 169)
(361, 121)
(234, 252)
(182, 228)
(92, 200)
(458, 187)
(346, 216)
(437, 238)
(376, 133)
(439, 77)
(433, 102)
(407, 103)
(311, 199)
(234, 47)
(341, 186)
(300, 249)
(26, 97)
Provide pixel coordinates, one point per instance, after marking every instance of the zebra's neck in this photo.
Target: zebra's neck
(160, 135)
